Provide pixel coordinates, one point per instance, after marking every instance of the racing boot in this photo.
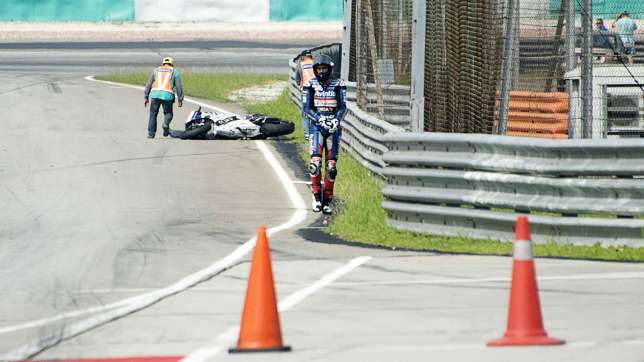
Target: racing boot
(166, 131)
(317, 205)
(317, 202)
(327, 208)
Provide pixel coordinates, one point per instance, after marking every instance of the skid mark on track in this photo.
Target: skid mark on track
(131, 159)
(53, 87)
(158, 159)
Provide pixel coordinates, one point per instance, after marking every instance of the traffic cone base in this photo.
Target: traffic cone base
(251, 350)
(525, 341)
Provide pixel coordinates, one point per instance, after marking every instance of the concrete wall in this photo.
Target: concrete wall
(171, 10)
(305, 10)
(199, 10)
(67, 10)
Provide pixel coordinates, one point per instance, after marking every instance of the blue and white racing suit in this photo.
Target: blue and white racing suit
(324, 100)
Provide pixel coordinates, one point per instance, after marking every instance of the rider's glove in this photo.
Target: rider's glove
(329, 123)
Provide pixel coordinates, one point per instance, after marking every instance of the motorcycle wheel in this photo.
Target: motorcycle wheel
(196, 133)
(275, 128)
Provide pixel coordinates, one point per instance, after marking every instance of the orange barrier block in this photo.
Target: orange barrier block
(537, 135)
(538, 114)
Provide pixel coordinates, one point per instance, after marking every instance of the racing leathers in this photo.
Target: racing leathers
(324, 103)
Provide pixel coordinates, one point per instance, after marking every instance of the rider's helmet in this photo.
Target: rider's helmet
(319, 70)
(307, 53)
(168, 60)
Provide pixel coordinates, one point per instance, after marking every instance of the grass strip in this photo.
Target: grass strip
(213, 86)
(359, 217)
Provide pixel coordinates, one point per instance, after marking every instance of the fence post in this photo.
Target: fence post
(418, 66)
(506, 69)
(373, 52)
(571, 60)
(361, 76)
(346, 41)
(556, 62)
(587, 68)
(516, 46)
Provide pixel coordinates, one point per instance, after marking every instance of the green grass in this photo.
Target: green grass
(213, 86)
(359, 217)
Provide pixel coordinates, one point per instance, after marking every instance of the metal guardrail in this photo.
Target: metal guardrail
(362, 133)
(579, 191)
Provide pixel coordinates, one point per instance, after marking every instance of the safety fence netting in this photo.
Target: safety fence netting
(462, 61)
(381, 57)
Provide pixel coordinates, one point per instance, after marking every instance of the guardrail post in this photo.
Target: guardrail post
(346, 41)
(418, 66)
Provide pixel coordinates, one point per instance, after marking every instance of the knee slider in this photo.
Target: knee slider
(314, 166)
(332, 171)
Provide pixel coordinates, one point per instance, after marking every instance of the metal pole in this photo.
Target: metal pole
(516, 45)
(346, 40)
(506, 69)
(587, 69)
(418, 66)
(571, 60)
(556, 61)
(361, 70)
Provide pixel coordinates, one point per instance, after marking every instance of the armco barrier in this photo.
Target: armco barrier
(362, 133)
(579, 191)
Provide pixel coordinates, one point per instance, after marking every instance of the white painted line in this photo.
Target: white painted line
(301, 294)
(228, 338)
(589, 276)
(130, 305)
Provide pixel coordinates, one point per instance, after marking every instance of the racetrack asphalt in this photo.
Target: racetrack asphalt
(93, 212)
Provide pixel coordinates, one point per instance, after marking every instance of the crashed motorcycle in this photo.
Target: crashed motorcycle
(212, 126)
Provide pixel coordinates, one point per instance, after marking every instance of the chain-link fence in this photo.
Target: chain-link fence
(545, 48)
(381, 42)
(499, 65)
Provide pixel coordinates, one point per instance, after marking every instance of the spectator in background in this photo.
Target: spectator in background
(599, 25)
(303, 73)
(600, 28)
(625, 27)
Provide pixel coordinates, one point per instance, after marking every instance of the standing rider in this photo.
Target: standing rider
(324, 103)
(162, 82)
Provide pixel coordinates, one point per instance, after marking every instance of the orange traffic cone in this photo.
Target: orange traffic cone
(525, 327)
(260, 325)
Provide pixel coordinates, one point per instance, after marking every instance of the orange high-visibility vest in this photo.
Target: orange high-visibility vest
(306, 70)
(163, 79)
